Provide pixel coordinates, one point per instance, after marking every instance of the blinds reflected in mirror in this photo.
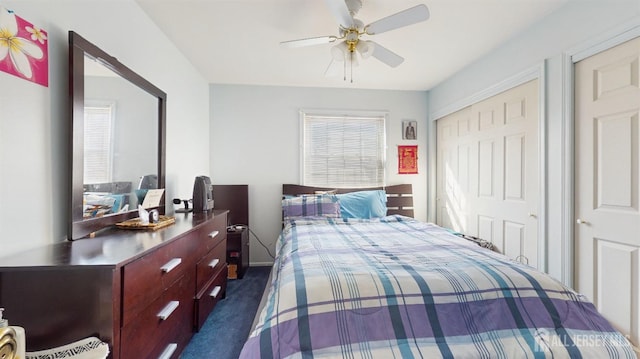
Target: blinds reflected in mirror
(98, 151)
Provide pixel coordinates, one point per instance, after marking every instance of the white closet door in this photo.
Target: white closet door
(453, 176)
(487, 171)
(607, 232)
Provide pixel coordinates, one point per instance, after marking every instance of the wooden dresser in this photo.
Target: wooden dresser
(143, 292)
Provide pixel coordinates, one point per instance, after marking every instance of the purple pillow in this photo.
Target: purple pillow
(325, 205)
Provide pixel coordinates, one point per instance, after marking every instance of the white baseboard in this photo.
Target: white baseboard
(260, 264)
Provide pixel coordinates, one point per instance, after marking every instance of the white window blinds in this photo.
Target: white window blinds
(98, 153)
(343, 151)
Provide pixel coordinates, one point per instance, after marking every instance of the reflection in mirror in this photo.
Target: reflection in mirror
(118, 126)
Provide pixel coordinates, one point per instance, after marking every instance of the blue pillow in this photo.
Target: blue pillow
(118, 202)
(363, 204)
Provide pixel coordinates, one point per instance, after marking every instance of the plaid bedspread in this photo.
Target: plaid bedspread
(398, 288)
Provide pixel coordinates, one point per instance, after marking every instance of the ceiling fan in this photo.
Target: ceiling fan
(352, 33)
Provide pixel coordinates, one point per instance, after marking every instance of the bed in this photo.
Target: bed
(389, 286)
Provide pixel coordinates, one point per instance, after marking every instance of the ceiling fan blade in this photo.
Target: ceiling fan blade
(308, 41)
(403, 18)
(385, 55)
(340, 10)
(334, 69)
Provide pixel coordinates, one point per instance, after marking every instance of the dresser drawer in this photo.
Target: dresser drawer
(148, 277)
(207, 298)
(166, 321)
(210, 264)
(214, 232)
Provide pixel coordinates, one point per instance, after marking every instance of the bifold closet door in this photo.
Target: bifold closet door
(607, 193)
(487, 171)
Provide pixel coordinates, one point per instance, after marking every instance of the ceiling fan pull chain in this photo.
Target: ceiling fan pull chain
(344, 71)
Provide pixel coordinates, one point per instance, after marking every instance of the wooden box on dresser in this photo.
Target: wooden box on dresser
(143, 292)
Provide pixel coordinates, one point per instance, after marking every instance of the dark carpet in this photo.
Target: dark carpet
(227, 327)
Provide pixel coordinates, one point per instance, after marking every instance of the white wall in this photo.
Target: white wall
(34, 160)
(548, 42)
(255, 134)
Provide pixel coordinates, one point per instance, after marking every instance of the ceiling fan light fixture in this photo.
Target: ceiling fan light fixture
(354, 59)
(339, 51)
(365, 48)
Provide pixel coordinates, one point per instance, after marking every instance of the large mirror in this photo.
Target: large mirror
(118, 139)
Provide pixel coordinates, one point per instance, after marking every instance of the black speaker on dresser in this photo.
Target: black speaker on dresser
(202, 194)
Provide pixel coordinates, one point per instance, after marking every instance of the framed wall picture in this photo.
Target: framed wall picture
(409, 130)
(25, 48)
(408, 160)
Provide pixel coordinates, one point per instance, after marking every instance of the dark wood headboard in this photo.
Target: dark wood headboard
(399, 197)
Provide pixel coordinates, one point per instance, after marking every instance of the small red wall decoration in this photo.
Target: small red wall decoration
(408, 159)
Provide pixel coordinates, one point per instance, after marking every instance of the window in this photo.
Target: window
(98, 153)
(343, 150)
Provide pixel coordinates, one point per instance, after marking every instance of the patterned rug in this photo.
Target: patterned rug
(88, 348)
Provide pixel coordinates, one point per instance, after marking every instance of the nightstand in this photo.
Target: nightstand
(238, 252)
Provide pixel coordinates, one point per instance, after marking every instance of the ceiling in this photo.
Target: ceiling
(237, 41)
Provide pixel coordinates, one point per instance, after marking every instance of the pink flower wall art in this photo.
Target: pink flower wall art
(23, 48)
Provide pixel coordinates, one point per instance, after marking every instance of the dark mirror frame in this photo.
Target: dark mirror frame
(78, 48)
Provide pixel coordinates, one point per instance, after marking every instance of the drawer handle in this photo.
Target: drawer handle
(215, 291)
(168, 309)
(213, 234)
(170, 265)
(168, 351)
(214, 263)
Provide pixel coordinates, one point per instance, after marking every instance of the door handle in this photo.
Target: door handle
(581, 221)
(532, 215)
